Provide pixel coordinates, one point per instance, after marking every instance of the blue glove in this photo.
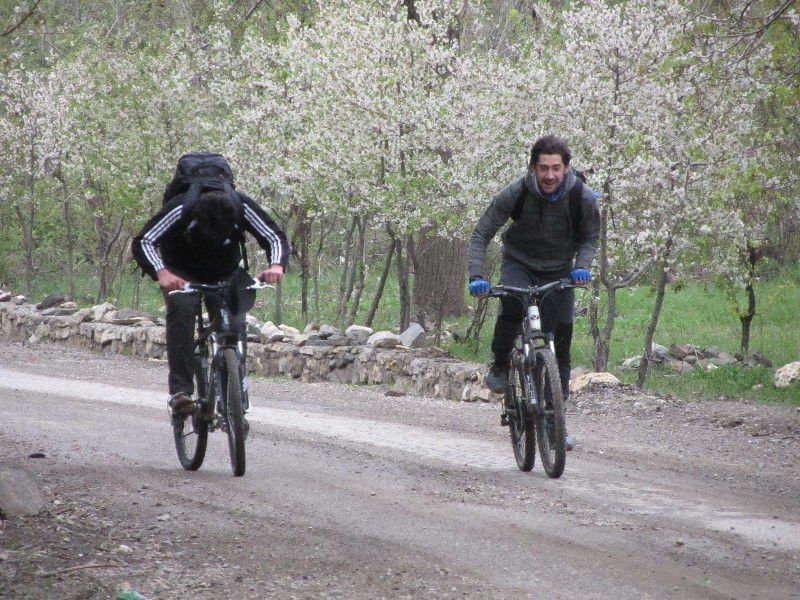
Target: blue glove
(479, 286)
(580, 276)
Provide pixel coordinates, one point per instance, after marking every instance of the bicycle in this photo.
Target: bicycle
(221, 393)
(533, 406)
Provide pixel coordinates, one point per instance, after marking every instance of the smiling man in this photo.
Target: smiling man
(554, 231)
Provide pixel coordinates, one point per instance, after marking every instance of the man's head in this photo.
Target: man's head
(212, 219)
(549, 162)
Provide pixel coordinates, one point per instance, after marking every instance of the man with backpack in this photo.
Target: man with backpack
(198, 236)
(554, 232)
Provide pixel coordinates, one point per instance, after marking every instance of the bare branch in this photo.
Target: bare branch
(22, 20)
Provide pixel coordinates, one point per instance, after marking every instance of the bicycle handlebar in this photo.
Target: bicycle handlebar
(537, 290)
(192, 288)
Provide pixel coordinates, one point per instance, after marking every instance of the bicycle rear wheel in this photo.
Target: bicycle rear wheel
(234, 413)
(549, 413)
(520, 423)
(191, 431)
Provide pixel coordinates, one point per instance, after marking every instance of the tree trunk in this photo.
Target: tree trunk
(346, 248)
(360, 270)
(746, 317)
(402, 282)
(651, 327)
(303, 231)
(381, 284)
(439, 276)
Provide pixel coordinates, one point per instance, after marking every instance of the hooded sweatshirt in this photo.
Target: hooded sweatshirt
(543, 238)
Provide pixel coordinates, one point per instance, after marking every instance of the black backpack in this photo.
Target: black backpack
(575, 194)
(199, 172)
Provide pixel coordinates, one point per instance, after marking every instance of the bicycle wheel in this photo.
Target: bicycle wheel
(191, 431)
(549, 413)
(234, 414)
(520, 424)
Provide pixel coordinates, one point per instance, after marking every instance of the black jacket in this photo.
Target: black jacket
(163, 243)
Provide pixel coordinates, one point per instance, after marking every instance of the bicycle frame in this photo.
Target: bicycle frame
(532, 336)
(222, 334)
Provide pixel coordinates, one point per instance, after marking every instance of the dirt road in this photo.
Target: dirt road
(350, 493)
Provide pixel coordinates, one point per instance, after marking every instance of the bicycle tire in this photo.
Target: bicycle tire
(191, 431)
(549, 414)
(520, 423)
(234, 412)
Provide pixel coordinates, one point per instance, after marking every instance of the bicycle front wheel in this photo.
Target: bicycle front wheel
(549, 413)
(234, 413)
(520, 423)
(191, 431)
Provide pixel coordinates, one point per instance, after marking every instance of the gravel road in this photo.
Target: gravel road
(350, 493)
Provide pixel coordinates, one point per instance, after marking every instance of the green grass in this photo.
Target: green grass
(697, 313)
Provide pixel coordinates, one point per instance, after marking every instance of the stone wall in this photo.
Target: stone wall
(357, 356)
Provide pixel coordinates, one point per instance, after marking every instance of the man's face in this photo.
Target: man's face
(550, 170)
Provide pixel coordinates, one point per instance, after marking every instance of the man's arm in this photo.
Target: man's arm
(588, 230)
(270, 238)
(144, 245)
(495, 216)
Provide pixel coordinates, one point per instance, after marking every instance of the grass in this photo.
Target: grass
(695, 313)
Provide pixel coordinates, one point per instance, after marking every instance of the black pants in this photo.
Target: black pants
(556, 311)
(181, 323)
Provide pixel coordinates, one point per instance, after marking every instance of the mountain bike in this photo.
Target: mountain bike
(533, 407)
(221, 393)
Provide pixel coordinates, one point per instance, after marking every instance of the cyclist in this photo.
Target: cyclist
(556, 224)
(200, 243)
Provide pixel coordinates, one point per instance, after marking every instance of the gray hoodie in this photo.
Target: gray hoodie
(543, 238)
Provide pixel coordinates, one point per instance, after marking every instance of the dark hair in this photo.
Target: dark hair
(212, 218)
(549, 144)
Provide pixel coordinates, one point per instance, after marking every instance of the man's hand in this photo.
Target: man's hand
(272, 275)
(170, 282)
(479, 287)
(580, 276)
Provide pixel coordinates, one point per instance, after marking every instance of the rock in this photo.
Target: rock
(578, 371)
(51, 300)
(632, 363)
(723, 358)
(19, 299)
(414, 336)
(253, 325)
(132, 317)
(358, 333)
(288, 330)
(270, 334)
(335, 340)
(590, 379)
(99, 310)
(788, 375)
(63, 310)
(327, 331)
(20, 494)
(383, 339)
(659, 352)
(732, 422)
(681, 351)
(757, 359)
(395, 393)
(5, 296)
(311, 327)
(679, 366)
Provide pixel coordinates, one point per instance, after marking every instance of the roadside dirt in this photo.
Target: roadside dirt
(351, 493)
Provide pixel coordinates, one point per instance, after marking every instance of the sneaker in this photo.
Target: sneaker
(497, 379)
(569, 442)
(181, 404)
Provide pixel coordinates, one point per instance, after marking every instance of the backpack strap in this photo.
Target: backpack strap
(575, 208)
